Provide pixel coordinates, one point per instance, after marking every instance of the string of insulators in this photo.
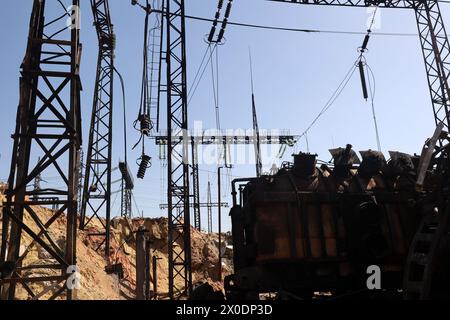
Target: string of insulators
(225, 21)
(144, 165)
(365, 42)
(363, 79)
(216, 21)
(361, 65)
(145, 124)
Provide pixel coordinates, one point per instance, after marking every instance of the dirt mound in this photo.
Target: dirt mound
(96, 283)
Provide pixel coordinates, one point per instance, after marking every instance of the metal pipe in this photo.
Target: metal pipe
(155, 276)
(147, 269)
(233, 187)
(219, 223)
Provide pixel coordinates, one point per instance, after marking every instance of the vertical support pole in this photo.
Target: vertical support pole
(219, 218)
(140, 264)
(155, 276)
(209, 205)
(147, 269)
(195, 185)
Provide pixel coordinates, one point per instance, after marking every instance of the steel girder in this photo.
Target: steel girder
(48, 126)
(436, 53)
(96, 203)
(180, 275)
(406, 4)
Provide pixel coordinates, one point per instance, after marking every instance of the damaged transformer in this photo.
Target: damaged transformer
(317, 228)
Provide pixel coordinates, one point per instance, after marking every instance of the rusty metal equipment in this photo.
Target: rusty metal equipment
(146, 267)
(96, 203)
(155, 275)
(48, 124)
(316, 228)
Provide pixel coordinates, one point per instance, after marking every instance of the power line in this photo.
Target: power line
(333, 98)
(195, 86)
(372, 98)
(276, 28)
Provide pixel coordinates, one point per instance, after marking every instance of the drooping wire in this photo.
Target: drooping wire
(195, 86)
(307, 142)
(255, 121)
(144, 116)
(268, 27)
(363, 65)
(336, 94)
(140, 213)
(122, 84)
(143, 119)
(153, 86)
(372, 98)
(215, 88)
(199, 69)
(345, 81)
(276, 28)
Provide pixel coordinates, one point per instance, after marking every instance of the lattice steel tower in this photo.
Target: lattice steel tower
(48, 127)
(96, 203)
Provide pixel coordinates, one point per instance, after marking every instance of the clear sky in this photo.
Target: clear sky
(294, 76)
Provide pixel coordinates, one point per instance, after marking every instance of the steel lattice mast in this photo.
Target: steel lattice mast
(180, 275)
(96, 203)
(48, 127)
(436, 52)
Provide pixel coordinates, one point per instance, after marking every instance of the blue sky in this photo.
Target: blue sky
(294, 75)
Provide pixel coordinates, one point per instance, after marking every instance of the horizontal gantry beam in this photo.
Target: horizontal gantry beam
(219, 140)
(358, 3)
(201, 205)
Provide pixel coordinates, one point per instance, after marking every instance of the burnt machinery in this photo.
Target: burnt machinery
(96, 202)
(48, 128)
(312, 228)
